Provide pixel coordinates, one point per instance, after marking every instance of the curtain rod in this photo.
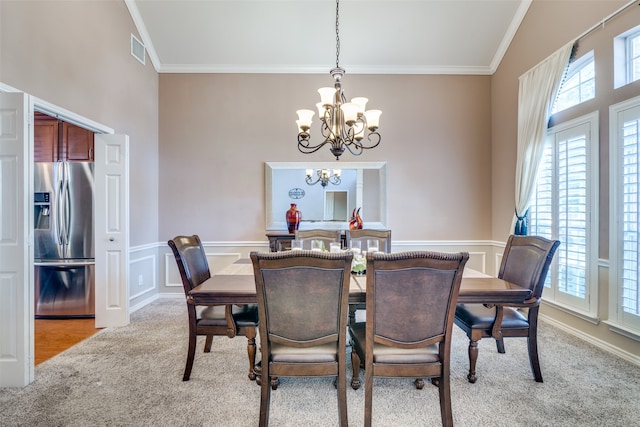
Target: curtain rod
(605, 19)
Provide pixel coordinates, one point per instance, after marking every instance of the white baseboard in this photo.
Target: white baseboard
(143, 303)
(596, 342)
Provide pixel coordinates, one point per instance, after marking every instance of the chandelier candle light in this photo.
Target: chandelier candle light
(344, 124)
(324, 177)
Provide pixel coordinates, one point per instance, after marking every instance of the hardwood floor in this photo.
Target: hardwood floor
(53, 336)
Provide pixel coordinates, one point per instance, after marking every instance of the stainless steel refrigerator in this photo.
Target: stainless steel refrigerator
(63, 237)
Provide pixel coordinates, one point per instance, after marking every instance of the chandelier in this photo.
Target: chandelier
(344, 124)
(323, 177)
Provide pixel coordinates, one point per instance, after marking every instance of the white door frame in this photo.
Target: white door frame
(37, 104)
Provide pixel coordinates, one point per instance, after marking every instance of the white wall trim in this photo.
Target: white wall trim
(152, 285)
(596, 342)
(143, 303)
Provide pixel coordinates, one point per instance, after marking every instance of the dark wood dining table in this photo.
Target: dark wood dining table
(235, 285)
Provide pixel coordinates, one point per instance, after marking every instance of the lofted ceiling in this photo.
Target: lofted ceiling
(299, 36)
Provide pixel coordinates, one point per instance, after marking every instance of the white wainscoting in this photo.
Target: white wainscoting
(154, 274)
(153, 271)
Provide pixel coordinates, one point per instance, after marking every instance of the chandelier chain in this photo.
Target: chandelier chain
(337, 33)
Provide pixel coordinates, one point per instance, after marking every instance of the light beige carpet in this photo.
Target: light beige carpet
(132, 376)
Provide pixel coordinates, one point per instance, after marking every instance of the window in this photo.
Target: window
(633, 57)
(626, 50)
(624, 250)
(579, 85)
(564, 207)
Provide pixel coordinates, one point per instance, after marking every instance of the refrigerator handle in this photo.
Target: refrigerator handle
(59, 207)
(67, 204)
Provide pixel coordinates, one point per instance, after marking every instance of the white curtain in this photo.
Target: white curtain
(538, 89)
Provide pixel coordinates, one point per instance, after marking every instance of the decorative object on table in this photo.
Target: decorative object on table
(293, 217)
(355, 223)
(344, 124)
(359, 263)
(317, 245)
(324, 177)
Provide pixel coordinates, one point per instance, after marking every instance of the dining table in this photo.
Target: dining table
(235, 284)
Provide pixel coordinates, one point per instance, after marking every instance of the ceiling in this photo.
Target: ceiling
(299, 36)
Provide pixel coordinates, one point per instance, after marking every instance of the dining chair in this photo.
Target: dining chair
(302, 304)
(525, 262)
(363, 235)
(409, 321)
(327, 236)
(210, 320)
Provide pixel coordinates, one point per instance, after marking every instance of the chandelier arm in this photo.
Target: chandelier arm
(327, 126)
(373, 136)
(311, 182)
(354, 148)
(304, 144)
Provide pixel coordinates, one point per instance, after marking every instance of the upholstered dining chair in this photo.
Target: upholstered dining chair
(302, 303)
(363, 235)
(327, 236)
(411, 299)
(525, 261)
(210, 320)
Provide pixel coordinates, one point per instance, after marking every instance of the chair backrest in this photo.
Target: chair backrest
(327, 236)
(302, 297)
(411, 298)
(191, 259)
(382, 236)
(526, 261)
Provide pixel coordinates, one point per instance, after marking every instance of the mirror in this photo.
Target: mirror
(362, 185)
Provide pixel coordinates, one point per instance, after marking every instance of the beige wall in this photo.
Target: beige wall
(216, 132)
(76, 55)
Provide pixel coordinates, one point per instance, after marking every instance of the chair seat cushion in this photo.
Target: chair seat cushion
(244, 315)
(477, 316)
(325, 353)
(387, 355)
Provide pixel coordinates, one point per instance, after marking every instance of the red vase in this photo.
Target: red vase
(293, 218)
(356, 221)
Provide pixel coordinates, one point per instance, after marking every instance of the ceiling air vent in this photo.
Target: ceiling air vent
(137, 49)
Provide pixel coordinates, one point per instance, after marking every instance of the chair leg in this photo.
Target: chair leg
(355, 364)
(473, 357)
(352, 313)
(265, 402)
(532, 344)
(500, 345)
(275, 382)
(251, 352)
(342, 396)
(191, 352)
(207, 344)
(368, 395)
(444, 391)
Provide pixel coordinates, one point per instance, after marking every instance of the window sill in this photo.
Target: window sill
(588, 317)
(623, 330)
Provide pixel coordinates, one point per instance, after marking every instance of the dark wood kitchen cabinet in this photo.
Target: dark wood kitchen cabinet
(54, 140)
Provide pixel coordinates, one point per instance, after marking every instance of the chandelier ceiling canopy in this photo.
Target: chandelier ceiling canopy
(345, 125)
